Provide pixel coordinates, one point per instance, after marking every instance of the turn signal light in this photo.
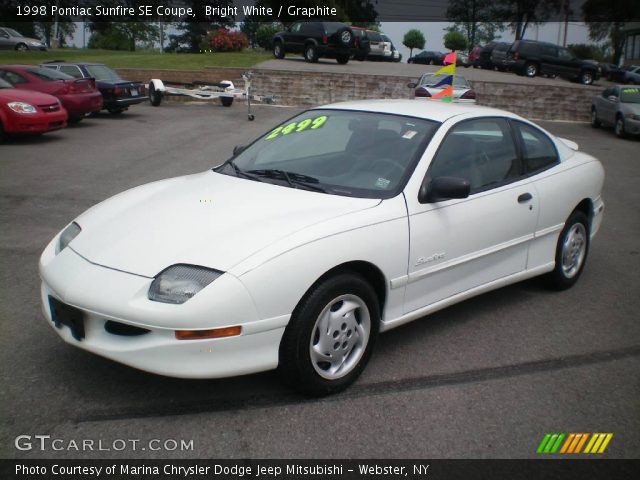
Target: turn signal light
(202, 334)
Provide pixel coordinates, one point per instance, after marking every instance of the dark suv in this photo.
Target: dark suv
(531, 58)
(315, 40)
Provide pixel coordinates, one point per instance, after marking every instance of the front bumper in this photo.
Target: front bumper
(38, 123)
(631, 126)
(104, 294)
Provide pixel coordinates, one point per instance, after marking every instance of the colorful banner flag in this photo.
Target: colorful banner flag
(446, 94)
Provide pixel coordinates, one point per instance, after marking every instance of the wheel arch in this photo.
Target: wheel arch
(585, 206)
(368, 270)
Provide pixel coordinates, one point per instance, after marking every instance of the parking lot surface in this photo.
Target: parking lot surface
(486, 378)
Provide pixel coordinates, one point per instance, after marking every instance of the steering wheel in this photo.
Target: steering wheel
(387, 167)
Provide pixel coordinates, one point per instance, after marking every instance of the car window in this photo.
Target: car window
(481, 151)
(295, 28)
(12, 78)
(429, 79)
(71, 70)
(538, 150)
(5, 84)
(12, 32)
(48, 75)
(630, 95)
(350, 153)
(3, 33)
(564, 54)
(102, 72)
(549, 50)
(374, 36)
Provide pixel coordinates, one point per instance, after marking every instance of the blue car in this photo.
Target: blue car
(117, 94)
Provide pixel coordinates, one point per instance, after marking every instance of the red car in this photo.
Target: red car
(78, 96)
(22, 111)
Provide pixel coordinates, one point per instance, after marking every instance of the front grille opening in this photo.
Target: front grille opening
(124, 330)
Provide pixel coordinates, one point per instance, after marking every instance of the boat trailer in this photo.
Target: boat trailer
(224, 90)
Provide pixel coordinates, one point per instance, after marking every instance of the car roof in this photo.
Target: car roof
(62, 62)
(431, 110)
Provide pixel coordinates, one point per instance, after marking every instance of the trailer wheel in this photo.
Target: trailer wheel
(226, 101)
(251, 117)
(155, 97)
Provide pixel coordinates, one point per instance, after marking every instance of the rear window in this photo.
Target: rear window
(375, 36)
(49, 75)
(4, 84)
(333, 27)
(102, 72)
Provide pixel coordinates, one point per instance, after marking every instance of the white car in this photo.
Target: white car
(345, 221)
(430, 84)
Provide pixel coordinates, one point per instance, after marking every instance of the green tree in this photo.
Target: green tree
(474, 19)
(265, 34)
(605, 21)
(522, 13)
(413, 39)
(454, 40)
(193, 33)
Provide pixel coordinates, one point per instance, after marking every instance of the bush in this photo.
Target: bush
(265, 33)
(590, 52)
(223, 40)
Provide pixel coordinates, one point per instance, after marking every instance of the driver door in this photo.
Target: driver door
(459, 244)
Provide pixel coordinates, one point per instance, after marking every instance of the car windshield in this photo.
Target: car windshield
(630, 95)
(340, 152)
(428, 80)
(5, 84)
(48, 75)
(102, 72)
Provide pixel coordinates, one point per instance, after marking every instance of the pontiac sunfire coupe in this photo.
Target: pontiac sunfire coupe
(343, 222)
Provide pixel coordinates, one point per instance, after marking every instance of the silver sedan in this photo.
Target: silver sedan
(618, 106)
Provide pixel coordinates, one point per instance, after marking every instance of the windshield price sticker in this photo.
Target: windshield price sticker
(297, 127)
(631, 90)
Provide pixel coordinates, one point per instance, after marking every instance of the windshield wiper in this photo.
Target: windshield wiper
(294, 180)
(239, 172)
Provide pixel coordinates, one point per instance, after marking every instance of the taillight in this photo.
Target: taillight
(515, 55)
(468, 95)
(422, 92)
(325, 39)
(120, 90)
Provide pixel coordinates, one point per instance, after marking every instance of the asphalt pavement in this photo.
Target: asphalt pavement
(486, 378)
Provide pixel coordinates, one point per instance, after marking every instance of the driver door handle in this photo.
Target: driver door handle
(525, 197)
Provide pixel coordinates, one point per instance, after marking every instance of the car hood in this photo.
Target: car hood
(630, 108)
(206, 219)
(29, 96)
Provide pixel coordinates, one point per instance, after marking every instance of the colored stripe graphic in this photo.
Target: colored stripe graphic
(573, 443)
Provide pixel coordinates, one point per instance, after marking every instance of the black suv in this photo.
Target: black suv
(315, 40)
(530, 58)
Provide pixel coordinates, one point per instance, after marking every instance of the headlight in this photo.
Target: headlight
(179, 283)
(634, 116)
(21, 107)
(67, 235)
(34, 43)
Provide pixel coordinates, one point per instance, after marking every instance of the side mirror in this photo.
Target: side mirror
(612, 98)
(412, 85)
(443, 188)
(238, 149)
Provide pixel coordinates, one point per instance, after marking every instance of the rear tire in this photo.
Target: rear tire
(571, 252)
(619, 127)
(531, 69)
(3, 135)
(22, 47)
(595, 123)
(115, 111)
(343, 59)
(330, 336)
(586, 78)
(278, 50)
(311, 54)
(155, 97)
(74, 120)
(226, 101)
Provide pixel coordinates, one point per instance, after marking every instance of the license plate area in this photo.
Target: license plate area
(63, 314)
(134, 92)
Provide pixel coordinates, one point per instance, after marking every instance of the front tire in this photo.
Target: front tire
(343, 59)
(155, 97)
(22, 47)
(571, 252)
(311, 54)
(586, 78)
(331, 335)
